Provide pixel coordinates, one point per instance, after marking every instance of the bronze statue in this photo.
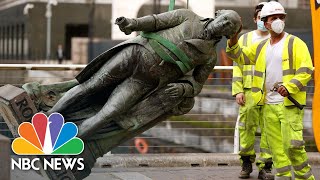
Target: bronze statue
(134, 70)
(140, 82)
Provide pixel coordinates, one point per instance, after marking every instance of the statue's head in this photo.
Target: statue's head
(226, 23)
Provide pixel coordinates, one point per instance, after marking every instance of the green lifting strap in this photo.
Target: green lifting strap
(165, 56)
(184, 62)
(171, 5)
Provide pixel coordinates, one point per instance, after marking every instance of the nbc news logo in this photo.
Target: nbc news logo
(47, 136)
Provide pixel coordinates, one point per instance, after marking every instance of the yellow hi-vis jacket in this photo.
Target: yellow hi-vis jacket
(296, 66)
(242, 74)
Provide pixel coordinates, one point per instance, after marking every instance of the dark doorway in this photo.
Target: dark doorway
(74, 30)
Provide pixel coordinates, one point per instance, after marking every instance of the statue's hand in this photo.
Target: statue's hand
(175, 90)
(126, 25)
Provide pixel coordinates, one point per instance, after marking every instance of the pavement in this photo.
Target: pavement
(176, 173)
(183, 166)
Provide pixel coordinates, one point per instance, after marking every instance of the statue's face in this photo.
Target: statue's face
(226, 23)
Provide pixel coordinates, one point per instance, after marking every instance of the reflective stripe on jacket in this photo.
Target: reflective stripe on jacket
(296, 65)
(242, 74)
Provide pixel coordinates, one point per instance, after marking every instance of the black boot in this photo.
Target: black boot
(246, 167)
(265, 172)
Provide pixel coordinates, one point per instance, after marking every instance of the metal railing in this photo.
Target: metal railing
(208, 127)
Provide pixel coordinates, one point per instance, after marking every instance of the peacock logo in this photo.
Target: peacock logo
(46, 136)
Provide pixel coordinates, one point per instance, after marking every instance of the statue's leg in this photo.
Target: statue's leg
(155, 105)
(113, 72)
(148, 119)
(69, 98)
(125, 96)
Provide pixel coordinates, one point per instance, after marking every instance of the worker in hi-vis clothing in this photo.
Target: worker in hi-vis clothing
(285, 60)
(249, 113)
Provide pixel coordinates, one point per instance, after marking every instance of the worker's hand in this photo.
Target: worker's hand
(175, 90)
(241, 99)
(240, 29)
(283, 91)
(235, 36)
(234, 39)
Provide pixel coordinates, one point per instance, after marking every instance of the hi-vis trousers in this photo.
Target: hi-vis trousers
(250, 119)
(283, 128)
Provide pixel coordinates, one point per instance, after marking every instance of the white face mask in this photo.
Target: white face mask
(277, 26)
(260, 26)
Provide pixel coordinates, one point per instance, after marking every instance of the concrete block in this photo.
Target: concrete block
(15, 107)
(4, 158)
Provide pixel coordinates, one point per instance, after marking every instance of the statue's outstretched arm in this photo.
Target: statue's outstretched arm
(154, 22)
